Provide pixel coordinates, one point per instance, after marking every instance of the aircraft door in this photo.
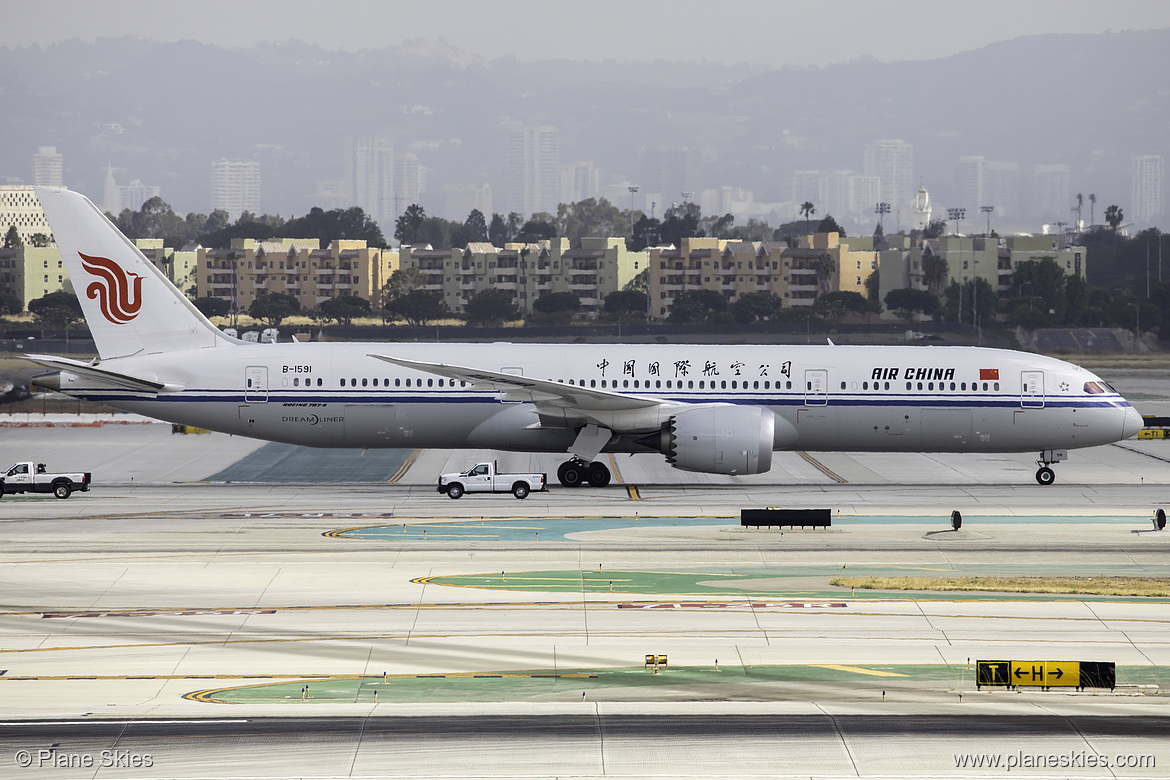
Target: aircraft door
(1032, 389)
(816, 387)
(256, 384)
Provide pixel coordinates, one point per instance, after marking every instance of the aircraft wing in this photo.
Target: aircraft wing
(102, 376)
(539, 391)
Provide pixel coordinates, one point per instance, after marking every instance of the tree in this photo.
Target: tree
(39, 240)
(825, 267)
(1114, 217)
(935, 229)
(12, 238)
(627, 302)
(1045, 280)
(350, 224)
(978, 294)
(829, 225)
(213, 307)
(476, 226)
(556, 307)
(10, 303)
(490, 305)
(418, 307)
(934, 273)
(756, 306)
(873, 286)
(909, 303)
(808, 209)
(590, 217)
(498, 231)
(697, 305)
(540, 228)
(646, 233)
(835, 305)
(407, 225)
(273, 308)
(344, 309)
(56, 309)
(681, 221)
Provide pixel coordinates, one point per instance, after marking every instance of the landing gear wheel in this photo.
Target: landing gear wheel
(572, 473)
(598, 474)
(455, 491)
(520, 490)
(62, 490)
(1045, 476)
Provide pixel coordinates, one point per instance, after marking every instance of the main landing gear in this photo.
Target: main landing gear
(1045, 475)
(576, 472)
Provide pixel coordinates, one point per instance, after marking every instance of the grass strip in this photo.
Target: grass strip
(1096, 586)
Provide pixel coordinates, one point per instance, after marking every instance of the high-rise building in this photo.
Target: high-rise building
(1050, 192)
(892, 161)
(126, 196)
(235, 186)
(48, 167)
(671, 174)
(1147, 187)
(534, 175)
(980, 182)
(580, 181)
(369, 170)
(411, 178)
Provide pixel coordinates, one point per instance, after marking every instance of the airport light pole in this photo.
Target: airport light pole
(988, 210)
(956, 215)
(881, 209)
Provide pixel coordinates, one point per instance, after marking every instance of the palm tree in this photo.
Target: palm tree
(1113, 217)
(808, 210)
(1080, 204)
(825, 267)
(1092, 208)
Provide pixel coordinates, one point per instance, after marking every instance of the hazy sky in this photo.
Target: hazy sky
(765, 32)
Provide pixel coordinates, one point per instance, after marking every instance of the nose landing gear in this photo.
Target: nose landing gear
(576, 472)
(1045, 475)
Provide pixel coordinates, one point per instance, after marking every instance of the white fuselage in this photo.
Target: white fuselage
(843, 398)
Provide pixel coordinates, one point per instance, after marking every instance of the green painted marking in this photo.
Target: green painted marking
(787, 582)
(534, 685)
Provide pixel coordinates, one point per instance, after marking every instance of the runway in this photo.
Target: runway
(233, 627)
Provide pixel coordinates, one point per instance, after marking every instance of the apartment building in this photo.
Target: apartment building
(593, 270)
(297, 267)
(181, 266)
(30, 272)
(796, 275)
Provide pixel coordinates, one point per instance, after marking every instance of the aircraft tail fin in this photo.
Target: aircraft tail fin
(129, 304)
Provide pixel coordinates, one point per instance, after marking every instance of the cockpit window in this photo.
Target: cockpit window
(1095, 388)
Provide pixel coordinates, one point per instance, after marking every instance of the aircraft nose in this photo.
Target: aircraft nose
(1132, 424)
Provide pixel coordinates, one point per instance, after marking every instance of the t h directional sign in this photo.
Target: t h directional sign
(1046, 674)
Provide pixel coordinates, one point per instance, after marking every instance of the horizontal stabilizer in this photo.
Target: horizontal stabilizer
(100, 376)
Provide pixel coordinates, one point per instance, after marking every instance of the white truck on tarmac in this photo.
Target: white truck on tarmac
(485, 478)
(29, 477)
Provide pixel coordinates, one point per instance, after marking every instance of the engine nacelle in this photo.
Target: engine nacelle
(720, 440)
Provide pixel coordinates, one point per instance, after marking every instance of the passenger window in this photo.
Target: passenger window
(985, 387)
(919, 385)
(397, 382)
(842, 385)
(296, 382)
(909, 386)
(952, 385)
(930, 386)
(690, 384)
(756, 385)
(364, 382)
(408, 382)
(963, 386)
(997, 386)
(430, 383)
(887, 386)
(625, 383)
(703, 384)
(593, 383)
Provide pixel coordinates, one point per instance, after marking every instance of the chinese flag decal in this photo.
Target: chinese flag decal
(988, 373)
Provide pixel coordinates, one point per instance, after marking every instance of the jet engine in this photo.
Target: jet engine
(717, 440)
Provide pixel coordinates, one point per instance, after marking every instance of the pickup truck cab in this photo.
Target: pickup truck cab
(29, 477)
(485, 478)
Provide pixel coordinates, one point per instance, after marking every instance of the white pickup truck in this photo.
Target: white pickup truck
(484, 478)
(32, 477)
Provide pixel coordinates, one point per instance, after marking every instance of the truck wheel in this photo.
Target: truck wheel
(455, 490)
(520, 490)
(62, 490)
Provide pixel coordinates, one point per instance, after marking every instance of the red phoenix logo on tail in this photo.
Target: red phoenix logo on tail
(113, 292)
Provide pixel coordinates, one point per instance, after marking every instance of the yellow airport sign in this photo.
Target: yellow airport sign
(1046, 674)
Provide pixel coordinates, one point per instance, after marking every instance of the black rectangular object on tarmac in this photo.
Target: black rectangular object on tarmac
(1098, 674)
(817, 518)
(992, 673)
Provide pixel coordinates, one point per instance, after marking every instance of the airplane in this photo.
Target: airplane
(717, 409)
